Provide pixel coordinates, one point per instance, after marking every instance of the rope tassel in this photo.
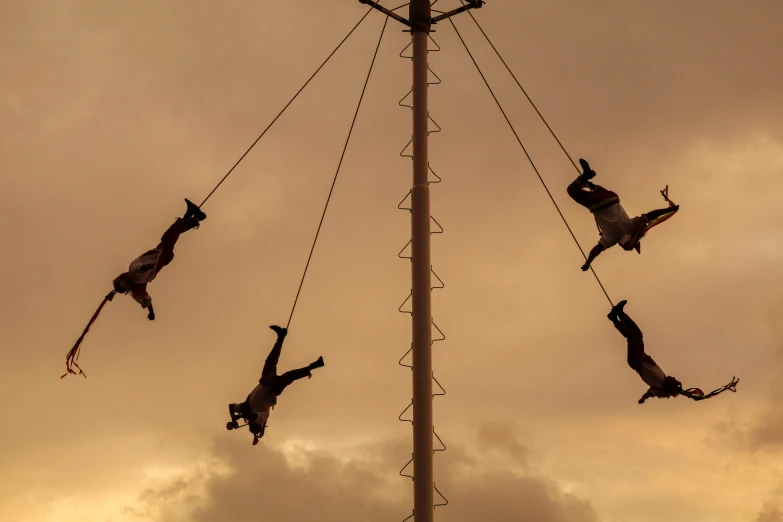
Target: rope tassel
(697, 395)
(71, 360)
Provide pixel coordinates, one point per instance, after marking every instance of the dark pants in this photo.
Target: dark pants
(593, 199)
(590, 199)
(269, 375)
(626, 326)
(169, 239)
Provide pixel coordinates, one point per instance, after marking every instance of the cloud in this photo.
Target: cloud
(115, 116)
(767, 432)
(501, 438)
(770, 513)
(764, 432)
(297, 484)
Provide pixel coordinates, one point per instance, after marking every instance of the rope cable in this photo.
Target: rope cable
(693, 393)
(523, 90)
(286, 107)
(543, 183)
(334, 181)
(551, 131)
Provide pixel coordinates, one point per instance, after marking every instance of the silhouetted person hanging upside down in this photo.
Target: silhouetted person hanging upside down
(146, 267)
(256, 408)
(613, 223)
(661, 385)
(142, 270)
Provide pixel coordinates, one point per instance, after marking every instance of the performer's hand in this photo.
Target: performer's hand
(151, 316)
(585, 267)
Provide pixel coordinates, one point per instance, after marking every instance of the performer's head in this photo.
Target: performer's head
(672, 386)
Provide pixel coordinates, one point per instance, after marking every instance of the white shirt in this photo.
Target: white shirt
(260, 401)
(139, 276)
(615, 224)
(652, 374)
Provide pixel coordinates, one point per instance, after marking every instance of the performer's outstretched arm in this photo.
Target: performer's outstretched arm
(648, 394)
(597, 249)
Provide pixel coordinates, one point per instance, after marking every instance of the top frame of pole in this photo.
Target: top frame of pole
(423, 26)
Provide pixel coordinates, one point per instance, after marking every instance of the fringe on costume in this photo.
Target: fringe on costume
(71, 360)
(697, 395)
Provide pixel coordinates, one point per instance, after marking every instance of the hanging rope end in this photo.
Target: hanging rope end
(72, 358)
(69, 370)
(665, 194)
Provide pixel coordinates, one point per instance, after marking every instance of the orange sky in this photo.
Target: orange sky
(112, 113)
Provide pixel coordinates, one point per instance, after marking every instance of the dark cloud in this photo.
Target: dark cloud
(765, 432)
(263, 483)
(770, 513)
(110, 116)
(501, 438)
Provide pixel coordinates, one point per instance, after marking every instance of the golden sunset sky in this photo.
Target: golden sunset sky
(112, 112)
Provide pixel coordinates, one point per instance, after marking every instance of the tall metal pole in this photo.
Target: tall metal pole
(423, 483)
(423, 477)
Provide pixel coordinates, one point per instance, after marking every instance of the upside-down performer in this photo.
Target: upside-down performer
(141, 271)
(661, 385)
(613, 223)
(146, 267)
(256, 408)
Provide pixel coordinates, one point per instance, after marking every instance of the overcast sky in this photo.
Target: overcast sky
(112, 112)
